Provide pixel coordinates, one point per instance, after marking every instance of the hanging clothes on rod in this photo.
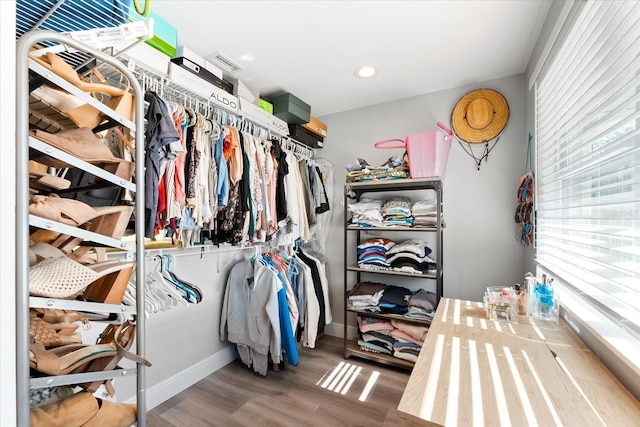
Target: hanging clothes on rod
(273, 301)
(217, 177)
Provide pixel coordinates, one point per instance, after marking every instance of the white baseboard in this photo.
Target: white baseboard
(170, 387)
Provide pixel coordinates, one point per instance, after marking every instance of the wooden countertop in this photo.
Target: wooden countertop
(472, 371)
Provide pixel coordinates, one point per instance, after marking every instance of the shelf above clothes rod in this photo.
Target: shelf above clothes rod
(211, 108)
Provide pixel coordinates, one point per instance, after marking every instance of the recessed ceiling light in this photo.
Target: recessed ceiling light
(247, 57)
(365, 71)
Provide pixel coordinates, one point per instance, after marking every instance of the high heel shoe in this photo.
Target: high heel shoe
(110, 288)
(81, 114)
(67, 359)
(57, 65)
(122, 337)
(110, 221)
(61, 277)
(81, 143)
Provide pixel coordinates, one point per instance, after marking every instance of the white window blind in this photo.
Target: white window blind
(588, 160)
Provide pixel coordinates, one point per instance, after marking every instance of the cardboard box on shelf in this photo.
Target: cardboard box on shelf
(316, 126)
(242, 90)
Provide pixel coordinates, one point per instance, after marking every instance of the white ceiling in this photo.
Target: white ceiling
(311, 48)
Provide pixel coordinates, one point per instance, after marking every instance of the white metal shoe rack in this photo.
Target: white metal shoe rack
(25, 143)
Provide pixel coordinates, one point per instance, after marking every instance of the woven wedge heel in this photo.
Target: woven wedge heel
(61, 277)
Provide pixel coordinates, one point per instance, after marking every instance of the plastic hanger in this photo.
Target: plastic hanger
(166, 287)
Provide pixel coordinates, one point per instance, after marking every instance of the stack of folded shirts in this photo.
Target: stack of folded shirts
(422, 305)
(365, 296)
(406, 350)
(395, 300)
(372, 253)
(411, 256)
(397, 338)
(379, 341)
(375, 335)
(397, 211)
(367, 212)
(409, 339)
(424, 213)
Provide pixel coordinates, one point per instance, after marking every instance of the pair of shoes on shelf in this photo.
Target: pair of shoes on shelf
(123, 336)
(85, 145)
(118, 98)
(112, 346)
(81, 114)
(110, 221)
(41, 180)
(58, 276)
(83, 410)
(59, 66)
(52, 334)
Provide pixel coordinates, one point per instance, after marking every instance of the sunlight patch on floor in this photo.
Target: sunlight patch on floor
(342, 376)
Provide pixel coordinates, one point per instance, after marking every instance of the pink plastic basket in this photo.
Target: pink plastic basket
(427, 152)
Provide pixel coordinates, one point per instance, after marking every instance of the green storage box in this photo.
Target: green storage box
(165, 35)
(291, 109)
(265, 105)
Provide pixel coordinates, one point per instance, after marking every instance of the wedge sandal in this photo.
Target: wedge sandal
(61, 277)
(110, 221)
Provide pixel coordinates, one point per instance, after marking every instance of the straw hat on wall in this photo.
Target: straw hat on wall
(480, 116)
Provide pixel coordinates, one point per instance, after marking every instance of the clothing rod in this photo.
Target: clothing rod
(200, 250)
(204, 106)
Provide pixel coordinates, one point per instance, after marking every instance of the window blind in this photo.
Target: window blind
(588, 160)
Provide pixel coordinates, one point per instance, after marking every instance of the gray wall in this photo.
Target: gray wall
(479, 245)
(480, 249)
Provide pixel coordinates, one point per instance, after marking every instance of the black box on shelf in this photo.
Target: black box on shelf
(305, 136)
(203, 73)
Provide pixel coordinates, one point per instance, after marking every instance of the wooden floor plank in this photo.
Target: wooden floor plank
(236, 396)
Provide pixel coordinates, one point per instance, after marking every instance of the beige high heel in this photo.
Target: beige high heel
(110, 221)
(57, 65)
(122, 336)
(62, 277)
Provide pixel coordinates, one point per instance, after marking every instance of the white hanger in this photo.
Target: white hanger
(165, 287)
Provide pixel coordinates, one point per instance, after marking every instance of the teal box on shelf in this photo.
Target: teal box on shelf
(291, 109)
(165, 35)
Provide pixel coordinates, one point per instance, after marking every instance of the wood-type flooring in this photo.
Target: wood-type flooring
(303, 395)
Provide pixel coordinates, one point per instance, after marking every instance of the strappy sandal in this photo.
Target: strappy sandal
(61, 277)
(56, 317)
(57, 65)
(52, 335)
(67, 359)
(110, 221)
(122, 337)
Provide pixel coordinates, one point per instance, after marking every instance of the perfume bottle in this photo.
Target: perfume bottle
(529, 299)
